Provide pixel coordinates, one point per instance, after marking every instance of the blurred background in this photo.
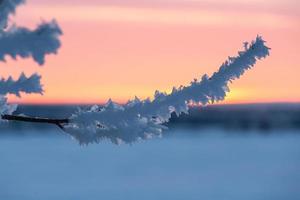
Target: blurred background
(248, 147)
(121, 48)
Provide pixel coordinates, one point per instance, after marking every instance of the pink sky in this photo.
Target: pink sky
(120, 49)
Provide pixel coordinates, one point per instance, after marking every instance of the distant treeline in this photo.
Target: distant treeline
(246, 117)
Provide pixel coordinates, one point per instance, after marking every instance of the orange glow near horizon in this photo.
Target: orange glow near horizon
(119, 50)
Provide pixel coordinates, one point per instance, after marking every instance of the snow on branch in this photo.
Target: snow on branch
(23, 84)
(144, 119)
(20, 41)
(6, 109)
(7, 8)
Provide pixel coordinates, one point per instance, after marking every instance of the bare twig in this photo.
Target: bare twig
(58, 122)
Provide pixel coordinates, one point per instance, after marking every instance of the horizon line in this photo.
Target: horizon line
(215, 104)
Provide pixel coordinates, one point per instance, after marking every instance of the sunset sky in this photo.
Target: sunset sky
(121, 48)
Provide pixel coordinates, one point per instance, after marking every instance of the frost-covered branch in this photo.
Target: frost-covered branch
(138, 120)
(7, 8)
(22, 42)
(6, 108)
(144, 119)
(23, 84)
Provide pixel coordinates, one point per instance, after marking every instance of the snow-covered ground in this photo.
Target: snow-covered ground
(186, 164)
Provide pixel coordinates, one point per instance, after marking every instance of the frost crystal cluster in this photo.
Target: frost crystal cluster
(144, 119)
(22, 42)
